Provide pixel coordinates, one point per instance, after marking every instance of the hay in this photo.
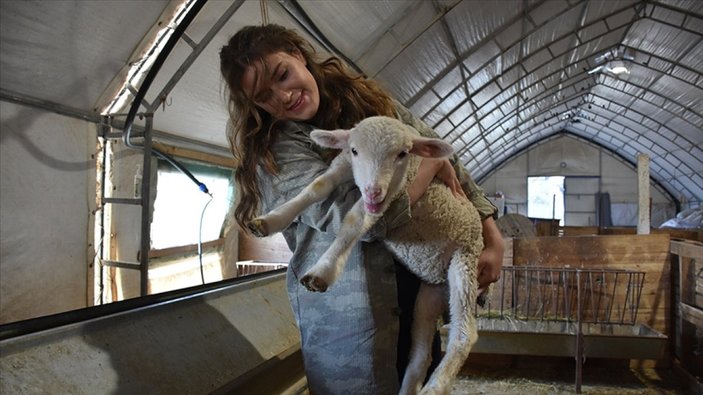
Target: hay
(557, 379)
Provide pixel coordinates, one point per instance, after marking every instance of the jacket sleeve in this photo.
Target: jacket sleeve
(299, 163)
(484, 206)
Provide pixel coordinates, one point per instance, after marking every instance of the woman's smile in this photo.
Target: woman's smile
(297, 104)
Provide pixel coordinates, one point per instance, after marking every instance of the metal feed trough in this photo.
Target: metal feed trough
(547, 311)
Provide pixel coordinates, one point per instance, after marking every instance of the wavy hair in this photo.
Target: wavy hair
(345, 99)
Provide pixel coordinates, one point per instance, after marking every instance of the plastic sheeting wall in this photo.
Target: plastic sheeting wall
(47, 196)
(567, 156)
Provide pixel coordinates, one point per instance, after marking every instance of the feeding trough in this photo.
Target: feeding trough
(546, 311)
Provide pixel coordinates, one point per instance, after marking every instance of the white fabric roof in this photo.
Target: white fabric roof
(492, 77)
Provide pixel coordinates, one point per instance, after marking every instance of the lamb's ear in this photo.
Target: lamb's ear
(431, 148)
(331, 138)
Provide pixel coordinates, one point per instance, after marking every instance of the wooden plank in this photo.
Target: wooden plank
(690, 287)
(687, 248)
(692, 314)
(647, 253)
(183, 250)
(579, 230)
(686, 234)
(610, 251)
(688, 342)
(196, 155)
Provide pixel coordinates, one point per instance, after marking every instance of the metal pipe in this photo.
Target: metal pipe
(26, 100)
(156, 67)
(600, 294)
(541, 297)
(639, 292)
(627, 298)
(145, 244)
(579, 335)
(612, 297)
(149, 78)
(528, 291)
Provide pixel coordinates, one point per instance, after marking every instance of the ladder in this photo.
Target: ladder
(146, 146)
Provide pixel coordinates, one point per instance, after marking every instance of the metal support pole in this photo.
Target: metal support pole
(579, 335)
(146, 209)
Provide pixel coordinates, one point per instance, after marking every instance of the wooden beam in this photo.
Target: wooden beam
(196, 155)
(692, 314)
(183, 250)
(688, 249)
(643, 194)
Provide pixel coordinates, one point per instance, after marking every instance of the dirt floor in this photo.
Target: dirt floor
(536, 376)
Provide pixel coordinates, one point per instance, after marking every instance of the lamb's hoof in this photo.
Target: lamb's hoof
(482, 298)
(313, 283)
(257, 227)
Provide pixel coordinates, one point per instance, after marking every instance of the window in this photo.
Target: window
(545, 197)
(180, 205)
(187, 227)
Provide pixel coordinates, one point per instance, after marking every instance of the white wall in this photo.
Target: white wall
(47, 196)
(569, 156)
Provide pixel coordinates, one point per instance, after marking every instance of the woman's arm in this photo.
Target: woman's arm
(428, 170)
(490, 261)
(491, 258)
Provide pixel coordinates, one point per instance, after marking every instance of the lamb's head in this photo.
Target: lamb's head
(379, 148)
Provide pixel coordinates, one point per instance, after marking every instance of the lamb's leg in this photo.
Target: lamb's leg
(430, 303)
(326, 270)
(279, 218)
(462, 328)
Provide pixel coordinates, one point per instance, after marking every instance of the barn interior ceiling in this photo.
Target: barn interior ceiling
(492, 77)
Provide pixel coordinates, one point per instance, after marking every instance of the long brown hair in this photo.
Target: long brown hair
(345, 99)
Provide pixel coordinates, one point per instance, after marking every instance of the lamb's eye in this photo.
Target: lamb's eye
(354, 152)
(402, 154)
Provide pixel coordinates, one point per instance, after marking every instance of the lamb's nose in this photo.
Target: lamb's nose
(373, 192)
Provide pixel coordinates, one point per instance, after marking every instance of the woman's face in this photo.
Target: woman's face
(283, 86)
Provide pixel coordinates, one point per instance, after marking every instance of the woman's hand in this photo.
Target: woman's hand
(448, 176)
(428, 170)
(490, 261)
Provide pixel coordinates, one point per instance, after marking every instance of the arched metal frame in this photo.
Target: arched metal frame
(497, 96)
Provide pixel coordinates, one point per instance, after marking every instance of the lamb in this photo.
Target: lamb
(440, 244)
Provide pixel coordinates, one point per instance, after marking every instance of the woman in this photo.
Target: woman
(278, 92)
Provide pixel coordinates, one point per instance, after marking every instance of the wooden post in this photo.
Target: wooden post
(643, 194)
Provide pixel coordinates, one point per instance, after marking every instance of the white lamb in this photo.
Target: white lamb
(440, 244)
